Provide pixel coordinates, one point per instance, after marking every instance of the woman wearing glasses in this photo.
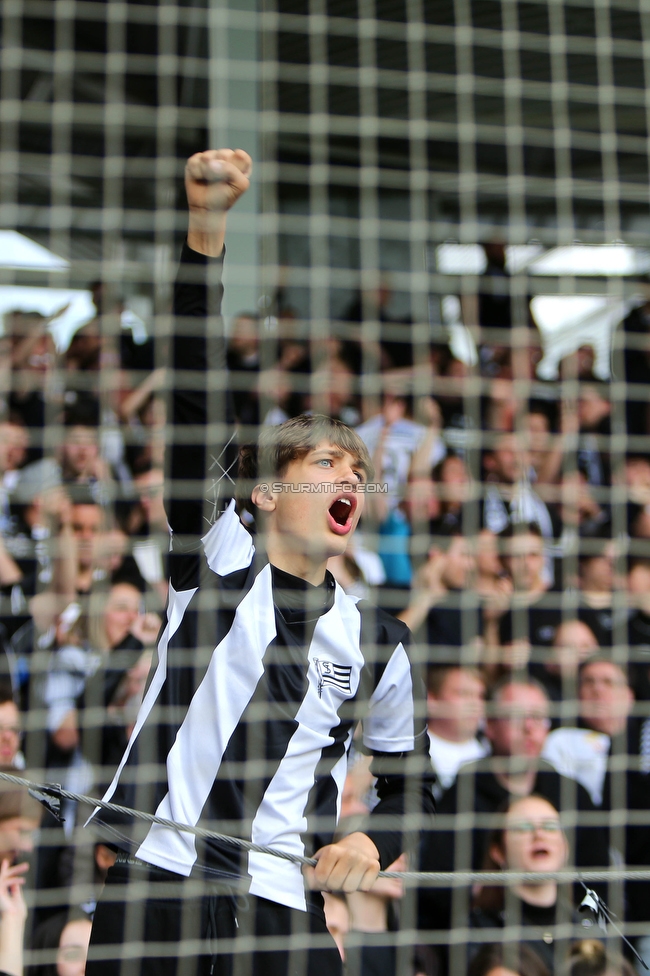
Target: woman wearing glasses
(531, 840)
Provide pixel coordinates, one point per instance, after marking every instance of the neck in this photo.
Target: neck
(84, 578)
(544, 895)
(518, 783)
(528, 594)
(296, 563)
(597, 598)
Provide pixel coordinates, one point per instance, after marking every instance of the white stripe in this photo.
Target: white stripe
(212, 716)
(280, 818)
(389, 726)
(176, 606)
(228, 545)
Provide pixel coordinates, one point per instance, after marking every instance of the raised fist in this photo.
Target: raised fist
(215, 179)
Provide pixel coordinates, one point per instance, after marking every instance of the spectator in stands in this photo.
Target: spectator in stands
(580, 514)
(98, 666)
(149, 486)
(455, 714)
(594, 410)
(590, 957)
(509, 498)
(66, 935)
(20, 818)
(534, 614)
(437, 594)
(531, 839)
(332, 391)
(517, 725)
(393, 440)
(32, 358)
(523, 559)
(596, 581)
(638, 588)
(545, 456)
(607, 735)
(507, 959)
(493, 581)
(88, 526)
(453, 490)
(79, 456)
(573, 643)
(605, 706)
(42, 539)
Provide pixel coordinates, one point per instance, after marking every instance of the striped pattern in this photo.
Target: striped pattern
(265, 725)
(251, 709)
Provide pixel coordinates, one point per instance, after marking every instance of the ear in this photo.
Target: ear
(497, 855)
(263, 498)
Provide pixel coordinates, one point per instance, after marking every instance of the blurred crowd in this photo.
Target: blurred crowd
(511, 533)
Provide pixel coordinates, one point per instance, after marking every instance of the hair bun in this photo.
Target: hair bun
(591, 950)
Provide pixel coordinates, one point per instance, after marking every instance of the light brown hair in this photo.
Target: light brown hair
(279, 445)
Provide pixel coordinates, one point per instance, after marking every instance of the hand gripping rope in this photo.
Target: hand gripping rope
(51, 794)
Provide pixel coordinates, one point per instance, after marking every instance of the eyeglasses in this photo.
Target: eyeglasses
(519, 718)
(72, 953)
(12, 729)
(530, 826)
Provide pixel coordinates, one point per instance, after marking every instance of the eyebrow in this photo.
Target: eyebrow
(329, 452)
(335, 453)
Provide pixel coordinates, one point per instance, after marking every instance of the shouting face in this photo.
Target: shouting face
(312, 510)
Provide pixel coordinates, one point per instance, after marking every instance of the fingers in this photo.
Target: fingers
(343, 868)
(12, 872)
(219, 165)
(392, 887)
(214, 181)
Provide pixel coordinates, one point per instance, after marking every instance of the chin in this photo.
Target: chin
(339, 547)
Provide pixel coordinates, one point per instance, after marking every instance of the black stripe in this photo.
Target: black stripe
(322, 800)
(264, 731)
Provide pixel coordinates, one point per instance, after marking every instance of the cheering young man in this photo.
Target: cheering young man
(264, 669)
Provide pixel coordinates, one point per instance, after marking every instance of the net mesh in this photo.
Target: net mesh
(444, 246)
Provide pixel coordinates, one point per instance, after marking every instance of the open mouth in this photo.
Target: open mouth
(341, 510)
(540, 852)
(340, 514)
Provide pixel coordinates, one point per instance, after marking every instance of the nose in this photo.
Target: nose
(348, 476)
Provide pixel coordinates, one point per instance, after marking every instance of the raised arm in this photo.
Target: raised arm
(201, 417)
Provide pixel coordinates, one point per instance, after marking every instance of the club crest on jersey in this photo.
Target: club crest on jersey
(334, 675)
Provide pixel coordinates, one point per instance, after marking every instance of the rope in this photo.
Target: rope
(434, 879)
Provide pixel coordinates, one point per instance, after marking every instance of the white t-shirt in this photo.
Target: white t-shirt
(402, 441)
(582, 755)
(447, 756)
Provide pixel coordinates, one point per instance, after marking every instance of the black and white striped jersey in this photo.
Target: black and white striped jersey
(259, 683)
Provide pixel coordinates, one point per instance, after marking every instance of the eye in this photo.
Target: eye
(326, 462)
